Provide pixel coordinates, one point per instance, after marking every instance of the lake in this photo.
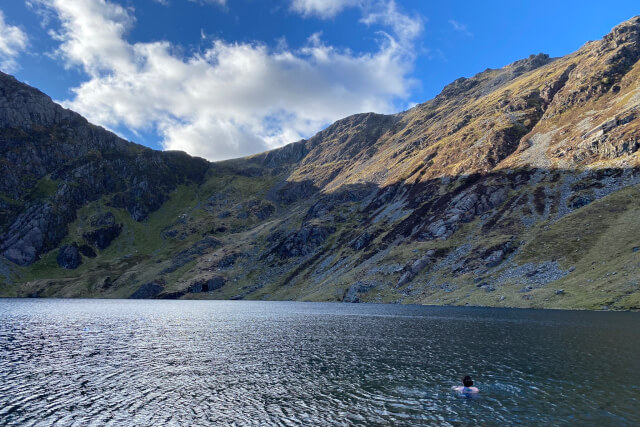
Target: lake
(122, 362)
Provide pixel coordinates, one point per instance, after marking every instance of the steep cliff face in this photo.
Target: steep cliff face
(53, 162)
(516, 187)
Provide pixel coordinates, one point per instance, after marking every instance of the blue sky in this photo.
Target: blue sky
(227, 78)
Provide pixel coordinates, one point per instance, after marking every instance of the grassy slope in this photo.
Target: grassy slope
(133, 254)
(597, 240)
(453, 136)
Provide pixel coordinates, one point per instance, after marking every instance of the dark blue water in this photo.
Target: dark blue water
(121, 362)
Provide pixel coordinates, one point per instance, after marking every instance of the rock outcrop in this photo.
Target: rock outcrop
(102, 237)
(53, 162)
(69, 256)
(515, 187)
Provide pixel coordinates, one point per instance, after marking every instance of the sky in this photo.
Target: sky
(223, 79)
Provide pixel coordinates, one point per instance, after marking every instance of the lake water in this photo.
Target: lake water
(123, 362)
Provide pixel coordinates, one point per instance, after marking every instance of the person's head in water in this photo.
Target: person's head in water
(467, 381)
(468, 388)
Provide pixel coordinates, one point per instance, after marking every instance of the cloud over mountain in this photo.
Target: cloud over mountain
(12, 42)
(229, 99)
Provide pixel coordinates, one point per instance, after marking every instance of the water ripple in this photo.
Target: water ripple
(117, 363)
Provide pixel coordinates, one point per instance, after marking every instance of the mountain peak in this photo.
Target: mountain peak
(513, 187)
(629, 26)
(530, 63)
(627, 32)
(491, 79)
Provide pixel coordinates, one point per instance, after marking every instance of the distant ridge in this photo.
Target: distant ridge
(515, 187)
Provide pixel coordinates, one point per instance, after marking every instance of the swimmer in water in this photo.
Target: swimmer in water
(467, 386)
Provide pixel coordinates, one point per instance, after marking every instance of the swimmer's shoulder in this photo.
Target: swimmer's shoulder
(466, 390)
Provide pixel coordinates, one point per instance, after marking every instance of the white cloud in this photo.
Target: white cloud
(12, 41)
(324, 9)
(203, 2)
(92, 35)
(460, 27)
(382, 12)
(230, 100)
(404, 27)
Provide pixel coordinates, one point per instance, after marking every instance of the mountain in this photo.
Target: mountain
(516, 187)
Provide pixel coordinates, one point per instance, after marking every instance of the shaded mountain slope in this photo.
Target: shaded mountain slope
(516, 187)
(53, 162)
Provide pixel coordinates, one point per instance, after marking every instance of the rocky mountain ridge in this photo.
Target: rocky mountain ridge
(516, 187)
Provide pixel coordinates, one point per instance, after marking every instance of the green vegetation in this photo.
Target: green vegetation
(516, 187)
(44, 188)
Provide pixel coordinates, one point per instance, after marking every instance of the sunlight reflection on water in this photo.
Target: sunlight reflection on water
(267, 363)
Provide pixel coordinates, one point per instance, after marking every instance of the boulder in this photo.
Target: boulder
(69, 256)
(87, 251)
(148, 290)
(263, 211)
(412, 270)
(578, 201)
(207, 285)
(420, 263)
(21, 254)
(102, 237)
(361, 241)
(304, 241)
(228, 260)
(351, 294)
(404, 279)
(494, 258)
